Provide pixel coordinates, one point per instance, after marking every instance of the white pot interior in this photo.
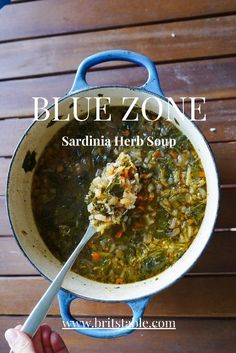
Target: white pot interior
(21, 216)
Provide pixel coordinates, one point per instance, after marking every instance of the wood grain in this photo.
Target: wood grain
(221, 115)
(13, 262)
(198, 296)
(225, 155)
(11, 132)
(43, 18)
(226, 217)
(64, 53)
(219, 255)
(5, 228)
(191, 335)
(213, 79)
(4, 166)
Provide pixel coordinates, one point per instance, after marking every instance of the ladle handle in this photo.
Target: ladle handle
(40, 310)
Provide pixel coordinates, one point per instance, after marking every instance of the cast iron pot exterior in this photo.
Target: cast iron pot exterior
(32, 144)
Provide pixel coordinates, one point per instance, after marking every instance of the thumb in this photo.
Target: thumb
(19, 341)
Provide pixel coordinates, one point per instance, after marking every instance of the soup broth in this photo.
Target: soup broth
(151, 236)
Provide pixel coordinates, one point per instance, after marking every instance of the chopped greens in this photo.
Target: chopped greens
(169, 194)
(113, 193)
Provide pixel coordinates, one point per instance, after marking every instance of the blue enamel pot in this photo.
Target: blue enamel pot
(136, 295)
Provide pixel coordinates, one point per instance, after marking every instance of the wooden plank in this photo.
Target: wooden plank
(4, 166)
(212, 261)
(76, 16)
(198, 296)
(221, 116)
(216, 336)
(5, 228)
(226, 217)
(13, 262)
(225, 154)
(213, 78)
(13, 129)
(193, 39)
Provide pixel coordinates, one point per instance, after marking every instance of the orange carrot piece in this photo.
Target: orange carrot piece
(157, 154)
(126, 173)
(173, 154)
(95, 256)
(201, 174)
(120, 281)
(119, 234)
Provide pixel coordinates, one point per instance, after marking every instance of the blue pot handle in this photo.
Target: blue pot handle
(152, 84)
(4, 2)
(137, 306)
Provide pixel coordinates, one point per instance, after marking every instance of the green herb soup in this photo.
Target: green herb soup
(151, 236)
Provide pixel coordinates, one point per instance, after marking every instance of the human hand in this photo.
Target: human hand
(45, 341)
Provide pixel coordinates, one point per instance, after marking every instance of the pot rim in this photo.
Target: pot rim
(132, 297)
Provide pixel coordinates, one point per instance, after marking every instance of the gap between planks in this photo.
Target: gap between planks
(201, 296)
(201, 78)
(193, 35)
(88, 16)
(117, 27)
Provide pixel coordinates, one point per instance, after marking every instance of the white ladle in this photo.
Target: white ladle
(39, 312)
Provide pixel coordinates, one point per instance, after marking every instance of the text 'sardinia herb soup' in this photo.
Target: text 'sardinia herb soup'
(153, 235)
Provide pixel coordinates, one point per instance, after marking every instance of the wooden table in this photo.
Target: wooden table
(193, 44)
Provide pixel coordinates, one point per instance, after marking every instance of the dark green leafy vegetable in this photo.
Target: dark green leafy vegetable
(29, 161)
(168, 211)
